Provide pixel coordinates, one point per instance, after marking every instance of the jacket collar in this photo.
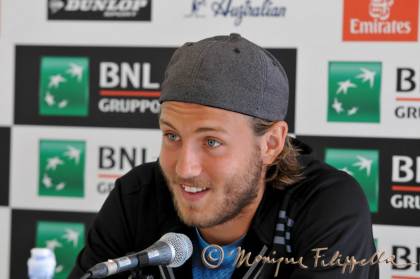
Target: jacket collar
(265, 218)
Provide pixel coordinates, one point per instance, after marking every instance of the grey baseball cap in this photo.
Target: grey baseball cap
(228, 72)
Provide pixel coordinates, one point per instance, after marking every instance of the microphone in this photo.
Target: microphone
(172, 249)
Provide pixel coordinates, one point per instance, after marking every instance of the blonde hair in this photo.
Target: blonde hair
(285, 169)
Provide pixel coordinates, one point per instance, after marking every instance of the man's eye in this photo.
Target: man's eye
(172, 137)
(213, 143)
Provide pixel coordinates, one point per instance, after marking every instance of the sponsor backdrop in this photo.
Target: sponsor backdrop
(80, 84)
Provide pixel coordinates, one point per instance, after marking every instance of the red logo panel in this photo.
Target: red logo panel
(380, 20)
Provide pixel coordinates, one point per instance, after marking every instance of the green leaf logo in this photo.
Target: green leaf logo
(65, 239)
(363, 165)
(354, 92)
(64, 86)
(61, 168)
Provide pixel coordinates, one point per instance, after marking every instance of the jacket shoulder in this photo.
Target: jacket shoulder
(323, 179)
(140, 177)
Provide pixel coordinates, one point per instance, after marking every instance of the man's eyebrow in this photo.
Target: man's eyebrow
(198, 130)
(163, 121)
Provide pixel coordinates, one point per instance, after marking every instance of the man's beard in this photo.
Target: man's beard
(238, 192)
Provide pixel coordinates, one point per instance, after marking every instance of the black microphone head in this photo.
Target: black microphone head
(181, 248)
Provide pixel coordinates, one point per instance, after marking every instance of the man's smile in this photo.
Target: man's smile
(193, 193)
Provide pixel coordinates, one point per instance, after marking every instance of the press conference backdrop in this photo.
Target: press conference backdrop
(80, 81)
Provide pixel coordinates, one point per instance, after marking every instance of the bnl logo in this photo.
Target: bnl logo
(64, 86)
(354, 92)
(363, 165)
(408, 97)
(405, 255)
(65, 240)
(405, 182)
(61, 168)
(407, 258)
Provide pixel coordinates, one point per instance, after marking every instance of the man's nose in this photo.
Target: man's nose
(188, 163)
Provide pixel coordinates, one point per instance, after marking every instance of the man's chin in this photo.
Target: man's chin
(191, 221)
(191, 217)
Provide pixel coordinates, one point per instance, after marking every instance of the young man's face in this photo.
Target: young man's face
(211, 161)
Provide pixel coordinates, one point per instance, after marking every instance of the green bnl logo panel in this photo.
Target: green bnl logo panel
(354, 90)
(64, 86)
(61, 168)
(363, 165)
(65, 239)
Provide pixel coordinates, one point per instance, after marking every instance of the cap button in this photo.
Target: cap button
(234, 36)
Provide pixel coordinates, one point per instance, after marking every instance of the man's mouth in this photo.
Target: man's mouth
(192, 189)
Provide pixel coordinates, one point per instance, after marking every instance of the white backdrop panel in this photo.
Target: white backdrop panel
(408, 241)
(25, 174)
(312, 90)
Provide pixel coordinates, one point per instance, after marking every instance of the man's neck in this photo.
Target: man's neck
(234, 229)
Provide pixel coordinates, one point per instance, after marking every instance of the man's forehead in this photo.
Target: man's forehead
(202, 115)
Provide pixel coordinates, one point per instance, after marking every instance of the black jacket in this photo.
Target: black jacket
(326, 209)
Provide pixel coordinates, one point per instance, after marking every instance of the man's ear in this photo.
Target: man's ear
(272, 142)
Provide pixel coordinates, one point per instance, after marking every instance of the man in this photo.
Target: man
(229, 175)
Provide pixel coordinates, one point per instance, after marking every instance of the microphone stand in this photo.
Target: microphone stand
(136, 274)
